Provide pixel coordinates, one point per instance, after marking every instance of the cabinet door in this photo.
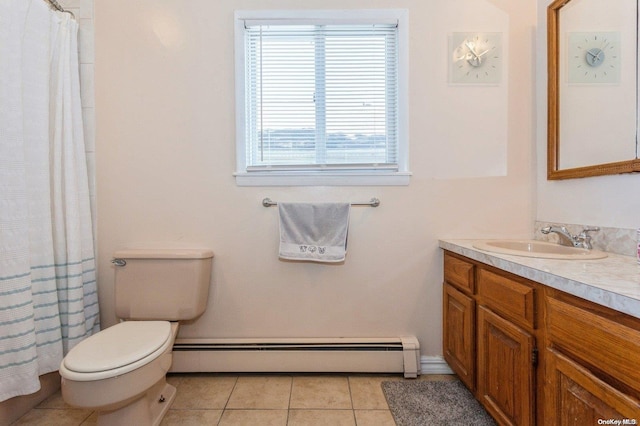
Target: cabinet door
(574, 396)
(505, 369)
(459, 334)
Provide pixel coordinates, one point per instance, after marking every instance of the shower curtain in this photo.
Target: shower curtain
(48, 292)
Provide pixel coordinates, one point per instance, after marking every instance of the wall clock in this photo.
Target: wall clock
(594, 57)
(476, 58)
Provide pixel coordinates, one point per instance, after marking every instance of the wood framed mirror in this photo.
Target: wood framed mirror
(592, 88)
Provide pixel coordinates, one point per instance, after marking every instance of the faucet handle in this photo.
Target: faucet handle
(589, 229)
(584, 239)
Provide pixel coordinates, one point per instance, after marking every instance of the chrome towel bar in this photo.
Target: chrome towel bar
(374, 202)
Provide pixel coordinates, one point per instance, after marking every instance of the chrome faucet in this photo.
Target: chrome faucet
(582, 240)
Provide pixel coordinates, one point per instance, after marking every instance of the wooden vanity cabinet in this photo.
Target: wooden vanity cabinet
(588, 366)
(575, 396)
(488, 338)
(505, 369)
(592, 362)
(506, 345)
(459, 343)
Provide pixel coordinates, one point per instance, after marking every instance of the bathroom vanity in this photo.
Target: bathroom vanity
(543, 341)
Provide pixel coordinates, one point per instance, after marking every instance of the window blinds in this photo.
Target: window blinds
(321, 96)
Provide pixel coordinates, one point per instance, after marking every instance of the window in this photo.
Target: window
(321, 97)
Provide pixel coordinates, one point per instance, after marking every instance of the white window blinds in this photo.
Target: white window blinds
(321, 96)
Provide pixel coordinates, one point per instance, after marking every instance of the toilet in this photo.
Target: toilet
(120, 372)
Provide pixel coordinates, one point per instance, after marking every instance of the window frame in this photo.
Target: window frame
(317, 176)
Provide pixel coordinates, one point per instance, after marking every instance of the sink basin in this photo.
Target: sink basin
(540, 249)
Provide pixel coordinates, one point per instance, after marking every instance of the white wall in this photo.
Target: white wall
(610, 201)
(165, 157)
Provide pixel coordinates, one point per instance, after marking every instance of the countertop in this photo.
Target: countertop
(613, 282)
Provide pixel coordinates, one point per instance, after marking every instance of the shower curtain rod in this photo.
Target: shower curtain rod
(56, 6)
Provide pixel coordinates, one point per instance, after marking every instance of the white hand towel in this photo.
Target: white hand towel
(314, 232)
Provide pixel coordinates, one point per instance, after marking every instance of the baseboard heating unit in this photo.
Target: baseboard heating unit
(318, 355)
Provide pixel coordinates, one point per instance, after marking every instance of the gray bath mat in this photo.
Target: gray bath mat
(422, 403)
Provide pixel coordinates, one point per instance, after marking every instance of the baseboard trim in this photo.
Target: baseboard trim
(434, 365)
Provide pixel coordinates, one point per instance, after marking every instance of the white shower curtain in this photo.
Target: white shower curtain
(48, 292)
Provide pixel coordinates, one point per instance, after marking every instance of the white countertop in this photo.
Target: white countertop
(613, 281)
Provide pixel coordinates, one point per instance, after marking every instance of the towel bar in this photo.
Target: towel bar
(374, 202)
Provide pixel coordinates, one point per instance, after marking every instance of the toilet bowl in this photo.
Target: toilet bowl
(121, 371)
(120, 365)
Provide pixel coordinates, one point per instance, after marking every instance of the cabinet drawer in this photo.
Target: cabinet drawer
(512, 299)
(459, 273)
(606, 345)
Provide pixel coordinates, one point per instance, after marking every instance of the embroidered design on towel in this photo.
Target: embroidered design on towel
(312, 249)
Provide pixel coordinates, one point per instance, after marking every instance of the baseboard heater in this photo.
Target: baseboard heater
(321, 355)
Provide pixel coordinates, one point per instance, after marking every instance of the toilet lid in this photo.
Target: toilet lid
(117, 346)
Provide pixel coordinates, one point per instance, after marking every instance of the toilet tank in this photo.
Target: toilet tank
(162, 284)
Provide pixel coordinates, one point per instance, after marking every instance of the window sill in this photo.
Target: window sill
(322, 179)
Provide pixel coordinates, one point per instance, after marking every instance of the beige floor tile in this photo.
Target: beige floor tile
(254, 400)
(324, 392)
(191, 417)
(254, 417)
(54, 401)
(439, 377)
(374, 418)
(91, 421)
(321, 418)
(53, 417)
(366, 392)
(203, 392)
(174, 379)
(261, 392)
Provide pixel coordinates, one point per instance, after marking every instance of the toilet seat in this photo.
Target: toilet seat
(117, 350)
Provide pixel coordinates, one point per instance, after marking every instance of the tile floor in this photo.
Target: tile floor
(255, 400)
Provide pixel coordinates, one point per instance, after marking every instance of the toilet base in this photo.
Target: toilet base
(148, 410)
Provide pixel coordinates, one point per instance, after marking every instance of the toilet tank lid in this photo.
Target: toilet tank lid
(179, 253)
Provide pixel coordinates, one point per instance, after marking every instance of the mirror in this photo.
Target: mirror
(593, 88)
